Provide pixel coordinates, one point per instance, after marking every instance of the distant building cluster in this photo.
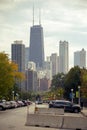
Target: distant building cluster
(31, 61)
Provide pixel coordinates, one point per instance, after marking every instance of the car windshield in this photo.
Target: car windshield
(68, 103)
(62, 103)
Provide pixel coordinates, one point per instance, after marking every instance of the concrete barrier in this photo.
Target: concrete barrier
(56, 121)
(77, 123)
(53, 111)
(44, 120)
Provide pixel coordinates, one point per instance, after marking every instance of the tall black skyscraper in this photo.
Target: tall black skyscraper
(18, 56)
(36, 44)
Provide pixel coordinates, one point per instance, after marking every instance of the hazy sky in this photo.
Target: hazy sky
(60, 19)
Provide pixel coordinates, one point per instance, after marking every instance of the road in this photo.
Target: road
(15, 119)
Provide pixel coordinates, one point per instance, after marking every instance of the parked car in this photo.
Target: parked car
(20, 103)
(7, 104)
(67, 105)
(13, 104)
(26, 102)
(39, 102)
(29, 102)
(46, 101)
(2, 105)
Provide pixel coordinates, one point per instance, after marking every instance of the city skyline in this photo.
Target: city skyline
(61, 20)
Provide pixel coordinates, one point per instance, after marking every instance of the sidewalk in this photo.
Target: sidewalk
(84, 112)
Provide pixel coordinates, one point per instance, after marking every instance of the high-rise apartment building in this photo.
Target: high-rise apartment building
(54, 60)
(80, 58)
(18, 56)
(48, 69)
(44, 84)
(31, 80)
(63, 57)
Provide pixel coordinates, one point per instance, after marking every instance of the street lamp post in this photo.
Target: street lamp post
(17, 96)
(13, 95)
(79, 95)
(72, 95)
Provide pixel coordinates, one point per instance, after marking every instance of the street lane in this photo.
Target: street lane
(15, 119)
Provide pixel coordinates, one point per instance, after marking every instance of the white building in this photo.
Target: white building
(31, 66)
(48, 69)
(80, 58)
(63, 57)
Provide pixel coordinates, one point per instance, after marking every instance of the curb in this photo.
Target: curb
(84, 114)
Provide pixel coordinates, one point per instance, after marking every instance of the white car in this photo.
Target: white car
(2, 106)
(13, 104)
(39, 102)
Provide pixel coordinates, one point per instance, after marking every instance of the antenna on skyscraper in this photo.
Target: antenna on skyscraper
(33, 14)
(39, 16)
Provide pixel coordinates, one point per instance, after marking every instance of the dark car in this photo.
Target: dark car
(67, 105)
(26, 102)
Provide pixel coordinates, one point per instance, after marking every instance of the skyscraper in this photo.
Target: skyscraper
(63, 57)
(18, 56)
(54, 60)
(26, 56)
(48, 69)
(80, 58)
(32, 81)
(36, 44)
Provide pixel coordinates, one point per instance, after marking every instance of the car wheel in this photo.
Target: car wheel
(76, 110)
(1, 108)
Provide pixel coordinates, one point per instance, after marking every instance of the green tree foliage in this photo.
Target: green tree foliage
(72, 80)
(26, 95)
(6, 76)
(84, 83)
(58, 93)
(54, 93)
(58, 80)
(8, 73)
(57, 86)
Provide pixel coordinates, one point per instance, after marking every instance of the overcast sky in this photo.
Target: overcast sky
(60, 19)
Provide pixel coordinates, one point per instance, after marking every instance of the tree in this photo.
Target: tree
(8, 73)
(58, 93)
(84, 83)
(58, 80)
(6, 78)
(72, 81)
(57, 86)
